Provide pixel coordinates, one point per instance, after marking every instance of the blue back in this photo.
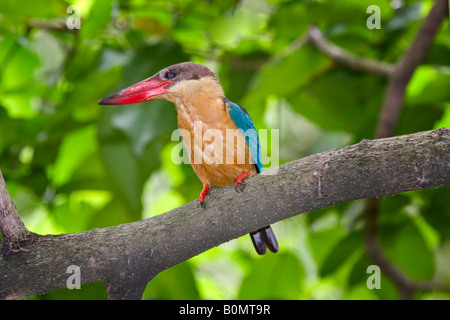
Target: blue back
(244, 123)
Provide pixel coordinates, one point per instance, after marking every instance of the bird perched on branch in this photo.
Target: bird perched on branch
(228, 150)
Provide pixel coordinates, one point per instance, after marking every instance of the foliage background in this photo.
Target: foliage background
(72, 165)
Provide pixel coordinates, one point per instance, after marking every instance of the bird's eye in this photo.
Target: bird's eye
(169, 75)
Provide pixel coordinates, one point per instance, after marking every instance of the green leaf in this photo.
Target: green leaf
(74, 149)
(359, 273)
(124, 172)
(414, 119)
(428, 86)
(322, 101)
(177, 282)
(82, 63)
(231, 30)
(273, 277)
(90, 174)
(16, 14)
(88, 291)
(358, 279)
(74, 214)
(285, 76)
(99, 17)
(20, 65)
(82, 100)
(112, 214)
(325, 233)
(405, 17)
(409, 251)
(340, 253)
(360, 292)
(436, 210)
(143, 123)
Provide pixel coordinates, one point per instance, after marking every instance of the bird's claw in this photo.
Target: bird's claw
(236, 184)
(203, 194)
(238, 180)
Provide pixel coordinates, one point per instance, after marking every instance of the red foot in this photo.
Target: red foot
(203, 195)
(239, 179)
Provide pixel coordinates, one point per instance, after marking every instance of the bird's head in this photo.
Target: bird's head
(179, 81)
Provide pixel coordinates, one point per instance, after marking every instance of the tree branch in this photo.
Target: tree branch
(12, 228)
(406, 66)
(346, 57)
(392, 106)
(399, 76)
(406, 286)
(127, 256)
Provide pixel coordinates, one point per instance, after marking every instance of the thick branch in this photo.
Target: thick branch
(11, 226)
(127, 256)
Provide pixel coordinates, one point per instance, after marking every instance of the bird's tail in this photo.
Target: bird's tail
(264, 238)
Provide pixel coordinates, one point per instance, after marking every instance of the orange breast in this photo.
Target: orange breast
(217, 150)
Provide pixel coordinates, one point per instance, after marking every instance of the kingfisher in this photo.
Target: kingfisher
(232, 152)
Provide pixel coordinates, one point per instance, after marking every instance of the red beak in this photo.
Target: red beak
(139, 92)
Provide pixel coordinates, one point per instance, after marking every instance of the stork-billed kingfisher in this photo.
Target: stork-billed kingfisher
(199, 97)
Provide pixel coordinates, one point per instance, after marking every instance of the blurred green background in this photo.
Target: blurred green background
(72, 165)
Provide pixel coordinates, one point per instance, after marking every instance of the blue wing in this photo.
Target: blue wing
(244, 123)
